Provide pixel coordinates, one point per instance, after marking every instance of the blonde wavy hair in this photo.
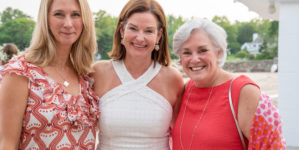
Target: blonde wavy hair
(42, 49)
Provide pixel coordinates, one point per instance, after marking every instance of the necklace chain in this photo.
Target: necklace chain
(65, 82)
(197, 123)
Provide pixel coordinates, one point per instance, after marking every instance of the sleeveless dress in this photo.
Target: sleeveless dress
(133, 116)
(54, 119)
(217, 129)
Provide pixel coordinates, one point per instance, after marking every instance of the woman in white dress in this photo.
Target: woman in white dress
(138, 89)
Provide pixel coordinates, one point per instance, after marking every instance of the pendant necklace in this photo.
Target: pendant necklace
(65, 82)
(197, 123)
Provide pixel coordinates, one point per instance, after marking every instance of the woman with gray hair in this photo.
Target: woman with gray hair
(218, 109)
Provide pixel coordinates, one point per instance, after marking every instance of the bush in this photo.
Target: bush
(242, 54)
(263, 56)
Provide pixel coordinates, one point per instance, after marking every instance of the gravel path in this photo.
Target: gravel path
(267, 81)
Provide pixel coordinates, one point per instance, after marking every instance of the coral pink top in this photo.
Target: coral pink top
(54, 119)
(216, 129)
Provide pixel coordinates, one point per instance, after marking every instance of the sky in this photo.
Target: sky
(185, 8)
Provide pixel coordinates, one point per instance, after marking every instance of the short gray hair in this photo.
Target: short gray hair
(216, 33)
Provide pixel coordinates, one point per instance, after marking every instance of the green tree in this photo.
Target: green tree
(269, 49)
(261, 26)
(231, 30)
(17, 31)
(173, 24)
(10, 14)
(245, 32)
(105, 26)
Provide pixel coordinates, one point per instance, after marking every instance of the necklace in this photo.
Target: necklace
(197, 123)
(65, 82)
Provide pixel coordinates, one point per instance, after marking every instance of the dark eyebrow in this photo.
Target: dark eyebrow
(202, 47)
(132, 24)
(185, 48)
(199, 47)
(76, 11)
(59, 10)
(151, 27)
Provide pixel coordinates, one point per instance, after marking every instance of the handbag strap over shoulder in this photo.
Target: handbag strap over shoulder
(234, 115)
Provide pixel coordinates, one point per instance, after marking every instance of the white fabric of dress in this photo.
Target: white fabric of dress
(134, 116)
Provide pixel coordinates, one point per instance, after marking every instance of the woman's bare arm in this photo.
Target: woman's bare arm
(248, 102)
(13, 102)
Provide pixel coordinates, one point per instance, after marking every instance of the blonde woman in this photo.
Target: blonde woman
(45, 99)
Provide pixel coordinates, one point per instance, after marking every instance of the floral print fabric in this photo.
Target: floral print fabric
(55, 119)
(266, 129)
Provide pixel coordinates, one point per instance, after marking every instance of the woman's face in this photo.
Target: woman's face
(65, 21)
(140, 34)
(199, 58)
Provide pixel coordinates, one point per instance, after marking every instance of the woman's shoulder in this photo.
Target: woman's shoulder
(102, 63)
(172, 77)
(102, 66)
(243, 78)
(102, 70)
(171, 73)
(20, 66)
(241, 81)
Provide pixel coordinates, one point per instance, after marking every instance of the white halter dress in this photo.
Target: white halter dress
(133, 116)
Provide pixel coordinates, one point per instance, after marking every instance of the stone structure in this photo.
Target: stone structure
(244, 66)
(249, 66)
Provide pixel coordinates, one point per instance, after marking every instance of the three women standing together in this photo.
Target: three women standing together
(49, 96)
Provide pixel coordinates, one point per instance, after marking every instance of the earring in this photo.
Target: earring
(157, 47)
(122, 41)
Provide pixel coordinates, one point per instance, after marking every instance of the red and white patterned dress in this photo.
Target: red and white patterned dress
(54, 119)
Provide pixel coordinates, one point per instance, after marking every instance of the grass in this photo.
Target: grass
(232, 58)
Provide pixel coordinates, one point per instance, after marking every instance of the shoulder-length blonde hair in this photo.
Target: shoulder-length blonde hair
(42, 49)
(136, 6)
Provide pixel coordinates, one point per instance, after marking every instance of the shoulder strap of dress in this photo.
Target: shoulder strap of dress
(121, 72)
(237, 85)
(151, 72)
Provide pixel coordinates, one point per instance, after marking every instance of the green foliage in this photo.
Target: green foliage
(269, 49)
(105, 26)
(10, 14)
(17, 31)
(231, 31)
(273, 29)
(234, 47)
(172, 25)
(245, 31)
(17, 27)
(263, 56)
(262, 26)
(242, 54)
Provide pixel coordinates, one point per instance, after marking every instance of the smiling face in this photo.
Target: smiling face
(199, 59)
(140, 34)
(65, 21)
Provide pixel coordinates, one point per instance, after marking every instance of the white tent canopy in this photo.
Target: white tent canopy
(267, 9)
